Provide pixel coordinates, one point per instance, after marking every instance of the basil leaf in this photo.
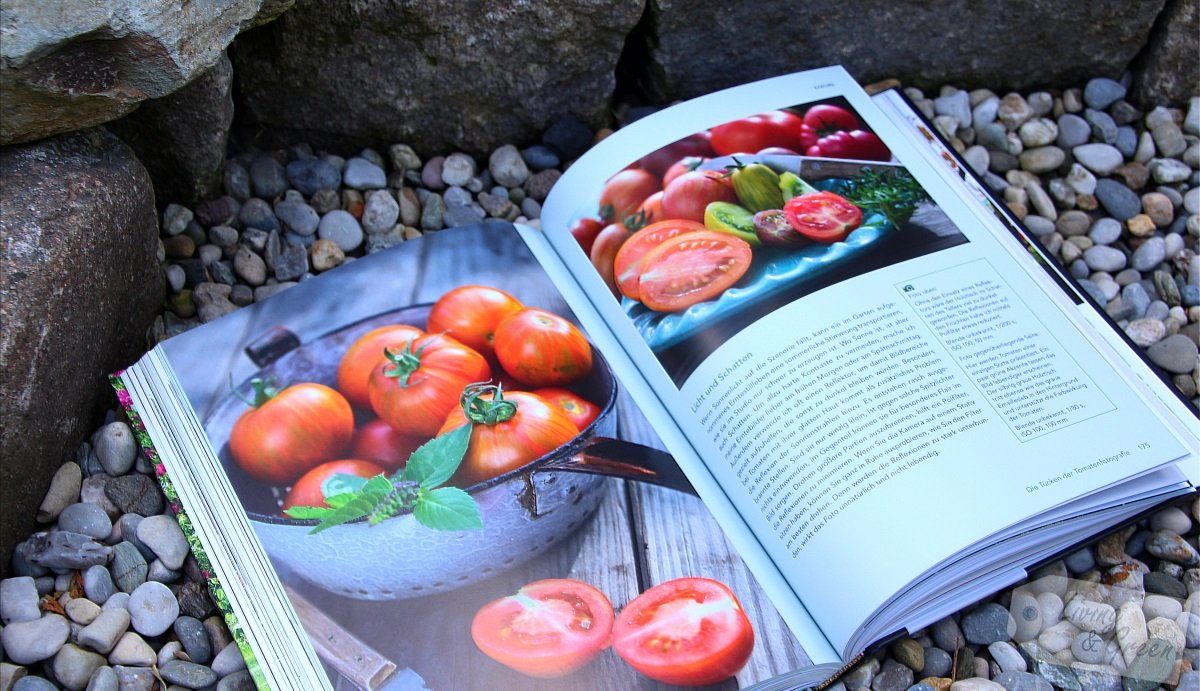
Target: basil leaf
(437, 459)
(448, 508)
(357, 505)
(304, 513)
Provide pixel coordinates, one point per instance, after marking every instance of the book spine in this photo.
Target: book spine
(177, 508)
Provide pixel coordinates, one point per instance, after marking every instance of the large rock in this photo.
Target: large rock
(70, 65)
(182, 138)
(80, 285)
(436, 74)
(1168, 71)
(706, 45)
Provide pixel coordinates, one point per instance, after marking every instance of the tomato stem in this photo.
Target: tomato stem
(402, 364)
(264, 390)
(485, 411)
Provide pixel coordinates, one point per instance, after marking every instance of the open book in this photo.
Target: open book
(889, 402)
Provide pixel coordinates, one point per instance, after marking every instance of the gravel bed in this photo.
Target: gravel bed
(107, 597)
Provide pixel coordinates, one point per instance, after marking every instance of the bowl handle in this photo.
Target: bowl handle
(271, 345)
(624, 459)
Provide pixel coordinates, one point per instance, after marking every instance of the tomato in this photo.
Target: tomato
(625, 192)
(688, 195)
(421, 383)
(366, 353)
(285, 434)
(689, 632)
(585, 231)
(857, 144)
(757, 132)
(691, 268)
(539, 348)
(823, 118)
(683, 165)
(578, 409)
(604, 251)
(548, 629)
(470, 314)
(509, 430)
(822, 216)
(323, 481)
(627, 265)
(651, 209)
(661, 160)
(379, 442)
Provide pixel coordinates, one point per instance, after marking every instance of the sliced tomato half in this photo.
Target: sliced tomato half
(689, 632)
(691, 268)
(547, 629)
(627, 265)
(822, 216)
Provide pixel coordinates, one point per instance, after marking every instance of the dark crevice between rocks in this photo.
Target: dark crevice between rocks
(638, 80)
(1159, 34)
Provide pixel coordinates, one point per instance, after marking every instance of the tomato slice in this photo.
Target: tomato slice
(689, 632)
(548, 629)
(822, 216)
(691, 268)
(627, 266)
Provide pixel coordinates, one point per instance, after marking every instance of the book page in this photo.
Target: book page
(890, 393)
(402, 597)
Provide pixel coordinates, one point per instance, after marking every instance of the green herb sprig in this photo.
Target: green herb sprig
(896, 194)
(417, 487)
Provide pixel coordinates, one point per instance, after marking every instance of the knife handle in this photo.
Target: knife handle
(358, 662)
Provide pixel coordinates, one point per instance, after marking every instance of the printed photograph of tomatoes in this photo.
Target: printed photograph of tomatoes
(315, 382)
(720, 227)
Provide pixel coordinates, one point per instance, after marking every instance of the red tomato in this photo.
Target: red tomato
(688, 195)
(689, 632)
(323, 481)
(548, 629)
(579, 410)
(539, 348)
(585, 231)
(857, 144)
(822, 216)
(421, 383)
(509, 430)
(823, 118)
(604, 251)
(365, 354)
(757, 132)
(684, 165)
(379, 442)
(284, 434)
(691, 268)
(693, 145)
(470, 314)
(627, 266)
(651, 209)
(625, 192)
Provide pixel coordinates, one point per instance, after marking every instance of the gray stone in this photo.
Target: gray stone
(73, 666)
(132, 649)
(85, 519)
(188, 674)
(64, 490)
(152, 608)
(76, 211)
(182, 138)
(19, 600)
(104, 679)
(162, 534)
(508, 167)
(310, 176)
(63, 550)
(1149, 254)
(135, 494)
(1104, 258)
(494, 68)
(297, 217)
(380, 212)
(342, 228)
(128, 568)
(102, 634)
(65, 71)
(81, 610)
(987, 624)
(257, 213)
(1104, 128)
(228, 661)
(1020, 680)
(27, 642)
(135, 678)
(238, 681)
(1118, 200)
(1170, 353)
(361, 174)
(194, 639)
(1151, 667)
(33, 684)
(1100, 158)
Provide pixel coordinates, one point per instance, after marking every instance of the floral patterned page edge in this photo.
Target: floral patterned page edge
(214, 584)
